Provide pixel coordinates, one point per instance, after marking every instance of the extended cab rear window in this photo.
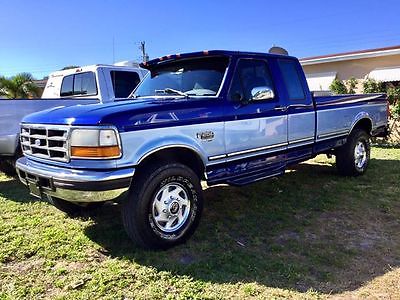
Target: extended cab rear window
(292, 79)
(79, 84)
(124, 83)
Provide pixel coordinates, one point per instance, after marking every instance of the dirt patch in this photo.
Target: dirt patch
(366, 241)
(23, 267)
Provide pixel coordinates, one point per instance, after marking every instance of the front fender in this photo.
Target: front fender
(136, 150)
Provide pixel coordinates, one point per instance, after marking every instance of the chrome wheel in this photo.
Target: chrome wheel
(171, 207)
(360, 155)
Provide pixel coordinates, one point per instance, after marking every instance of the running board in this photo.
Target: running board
(243, 180)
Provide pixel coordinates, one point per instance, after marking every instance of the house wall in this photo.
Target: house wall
(358, 68)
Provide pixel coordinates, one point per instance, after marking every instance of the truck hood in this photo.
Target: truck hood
(130, 114)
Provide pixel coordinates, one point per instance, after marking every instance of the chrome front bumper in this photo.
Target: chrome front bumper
(71, 184)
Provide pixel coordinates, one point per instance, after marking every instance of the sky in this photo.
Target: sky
(42, 36)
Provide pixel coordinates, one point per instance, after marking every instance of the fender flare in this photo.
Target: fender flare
(359, 117)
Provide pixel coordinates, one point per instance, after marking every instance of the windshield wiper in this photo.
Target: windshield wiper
(172, 91)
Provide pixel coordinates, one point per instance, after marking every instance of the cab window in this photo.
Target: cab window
(67, 86)
(79, 84)
(124, 83)
(250, 73)
(292, 79)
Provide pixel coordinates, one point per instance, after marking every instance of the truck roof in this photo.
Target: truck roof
(90, 68)
(171, 57)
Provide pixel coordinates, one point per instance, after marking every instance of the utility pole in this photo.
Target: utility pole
(145, 56)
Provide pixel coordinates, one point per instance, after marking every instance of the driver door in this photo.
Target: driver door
(254, 127)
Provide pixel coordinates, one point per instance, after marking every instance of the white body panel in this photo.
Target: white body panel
(301, 127)
(255, 133)
(136, 145)
(337, 121)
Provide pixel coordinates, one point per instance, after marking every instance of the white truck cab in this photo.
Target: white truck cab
(105, 82)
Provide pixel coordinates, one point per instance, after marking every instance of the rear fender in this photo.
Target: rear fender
(361, 118)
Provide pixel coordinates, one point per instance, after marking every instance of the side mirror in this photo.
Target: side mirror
(262, 93)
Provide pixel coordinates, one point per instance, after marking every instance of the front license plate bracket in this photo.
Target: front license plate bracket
(34, 189)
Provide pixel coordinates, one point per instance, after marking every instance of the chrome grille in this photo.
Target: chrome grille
(45, 141)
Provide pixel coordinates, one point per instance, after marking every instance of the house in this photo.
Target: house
(381, 64)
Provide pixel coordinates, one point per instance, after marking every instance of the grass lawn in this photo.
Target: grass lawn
(309, 234)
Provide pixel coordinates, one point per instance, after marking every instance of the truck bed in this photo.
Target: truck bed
(336, 115)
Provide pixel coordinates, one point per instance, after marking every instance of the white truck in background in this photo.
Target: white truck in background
(83, 85)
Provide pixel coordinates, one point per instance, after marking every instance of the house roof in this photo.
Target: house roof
(393, 50)
(40, 83)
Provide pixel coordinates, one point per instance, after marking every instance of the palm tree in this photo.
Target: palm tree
(19, 86)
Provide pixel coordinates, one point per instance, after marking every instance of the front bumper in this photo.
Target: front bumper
(71, 184)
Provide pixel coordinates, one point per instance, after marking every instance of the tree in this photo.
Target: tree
(351, 84)
(338, 87)
(19, 86)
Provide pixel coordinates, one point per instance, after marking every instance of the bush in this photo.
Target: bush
(351, 84)
(373, 86)
(338, 87)
(396, 111)
(393, 94)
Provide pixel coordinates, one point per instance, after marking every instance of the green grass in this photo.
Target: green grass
(308, 234)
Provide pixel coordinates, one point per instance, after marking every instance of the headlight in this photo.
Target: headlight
(95, 143)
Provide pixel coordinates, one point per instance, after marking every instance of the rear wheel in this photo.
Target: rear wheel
(163, 207)
(352, 158)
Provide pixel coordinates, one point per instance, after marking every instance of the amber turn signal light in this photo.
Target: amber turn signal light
(96, 152)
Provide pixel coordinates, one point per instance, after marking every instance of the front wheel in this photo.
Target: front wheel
(163, 207)
(352, 158)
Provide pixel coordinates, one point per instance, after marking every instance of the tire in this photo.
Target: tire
(8, 167)
(352, 158)
(72, 209)
(163, 207)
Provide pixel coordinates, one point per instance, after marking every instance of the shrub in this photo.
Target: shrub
(351, 85)
(393, 94)
(373, 86)
(338, 87)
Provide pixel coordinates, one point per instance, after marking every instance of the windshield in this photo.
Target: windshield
(191, 77)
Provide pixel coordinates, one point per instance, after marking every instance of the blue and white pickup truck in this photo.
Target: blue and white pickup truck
(218, 116)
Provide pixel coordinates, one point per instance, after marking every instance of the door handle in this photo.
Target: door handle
(296, 106)
(281, 108)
